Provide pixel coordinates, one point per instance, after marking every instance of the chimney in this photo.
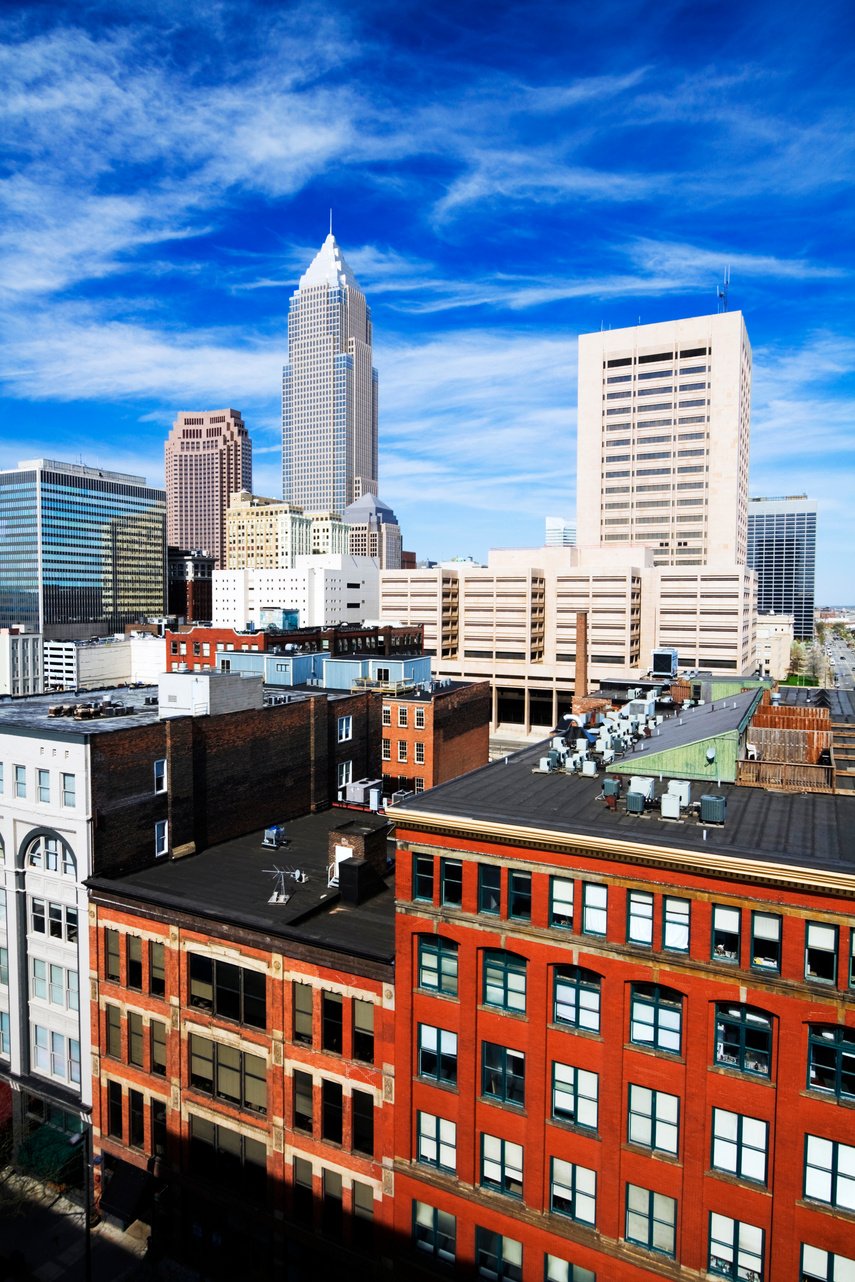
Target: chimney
(581, 682)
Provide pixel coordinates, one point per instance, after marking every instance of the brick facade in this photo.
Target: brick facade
(435, 735)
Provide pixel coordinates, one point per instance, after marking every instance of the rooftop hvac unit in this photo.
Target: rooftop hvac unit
(611, 787)
(669, 805)
(680, 788)
(634, 803)
(643, 784)
(713, 809)
(274, 837)
(545, 765)
(589, 768)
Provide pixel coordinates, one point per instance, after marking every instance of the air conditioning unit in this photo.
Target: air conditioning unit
(634, 803)
(713, 809)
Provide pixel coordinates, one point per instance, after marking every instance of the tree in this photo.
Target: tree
(798, 656)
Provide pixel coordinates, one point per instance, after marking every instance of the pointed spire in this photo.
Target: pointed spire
(330, 220)
(329, 266)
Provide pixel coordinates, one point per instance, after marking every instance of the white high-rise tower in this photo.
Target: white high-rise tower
(329, 390)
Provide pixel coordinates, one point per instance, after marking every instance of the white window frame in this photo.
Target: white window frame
(160, 780)
(68, 794)
(402, 750)
(419, 718)
(345, 729)
(419, 751)
(161, 838)
(345, 773)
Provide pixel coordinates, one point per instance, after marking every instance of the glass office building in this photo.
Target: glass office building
(782, 549)
(84, 550)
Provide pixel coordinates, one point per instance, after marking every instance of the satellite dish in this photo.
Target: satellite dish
(710, 755)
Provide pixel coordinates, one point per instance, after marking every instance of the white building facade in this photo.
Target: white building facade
(20, 662)
(324, 590)
(329, 389)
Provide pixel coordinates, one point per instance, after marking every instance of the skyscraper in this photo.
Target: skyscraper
(663, 439)
(782, 549)
(84, 550)
(208, 458)
(329, 389)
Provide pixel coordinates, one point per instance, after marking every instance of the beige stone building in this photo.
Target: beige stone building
(265, 534)
(208, 458)
(775, 634)
(663, 439)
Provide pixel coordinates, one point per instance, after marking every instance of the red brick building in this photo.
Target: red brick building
(625, 1044)
(432, 735)
(243, 1083)
(195, 649)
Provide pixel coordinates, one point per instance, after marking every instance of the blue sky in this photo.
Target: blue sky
(503, 177)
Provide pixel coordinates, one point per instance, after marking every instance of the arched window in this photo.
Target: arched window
(438, 964)
(657, 1017)
(504, 980)
(576, 997)
(51, 854)
(831, 1060)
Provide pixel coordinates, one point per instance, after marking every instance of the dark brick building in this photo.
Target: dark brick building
(195, 649)
(434, 734)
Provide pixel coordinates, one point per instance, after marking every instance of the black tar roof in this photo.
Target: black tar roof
(232, 883)
(814, 829)
(32, 713)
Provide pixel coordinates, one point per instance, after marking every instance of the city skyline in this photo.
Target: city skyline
(492, 203)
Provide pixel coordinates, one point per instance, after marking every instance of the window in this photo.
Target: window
(765, 941)
(418, 784)
(743, 1039)
(831, 1060)
(363, 1030)
(419, 718)
(434, 1232)
(20, 781)
(362, 1132)
(228, 1074)
(158, 1047)
(52, 854)
(231, 992)
(419, 750)
(573, 1191)
(302, 1101)
(344, 773)
(502, 1073)
(135, 972)
(639, 913)
(114, 1109)
(332, 1111)
(302, 1189)
(112, 955)
(57, 1055)
(519, 895)
(344, 729)
(594, 909)
(423, 878)
(302, 999)
(739, 1145)
(557, 1270)
(725, 934)
(436, 1142)
(438, 964)
(387, 716)
(161, 838)
(489, 889)
(822, 1266)
(113, 1017)
(451, 882)
(402, 750)
(821, 952)
(576, 998)
(223, 1157)
(656, 1017)
(574, 1095)
(156, 969)
(135, 1039)
(654, 1119)
(561, 903)
(504, 980)
(136, 1119)
(69, 790)
(830, 1172)
(437, 1054)
(43, 785)
(58, 921)
(497, 1258)
(736, 1249)
(160, 775)
(331, 1022)
(851, 950)
(501, 1165)
(158, 1128)
(402, 716)
(387, 750)
(651, 1219)
(5, 1034)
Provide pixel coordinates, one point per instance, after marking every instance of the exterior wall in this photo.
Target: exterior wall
(265, 533)
(20, 662)
(214, 1218)
(325, 590)
(208, 457)
(687, 494)
(782, 550)
(197, 648)
(774, 640)
(453, 739)
(784, 1101)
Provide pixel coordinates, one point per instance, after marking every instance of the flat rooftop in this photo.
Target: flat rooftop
(233, 882)
(813, 829)
(33, 713)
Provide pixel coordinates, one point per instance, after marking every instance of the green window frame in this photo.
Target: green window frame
(573, 1191)
(819, 1265)
(653, 1119)
(676, 924)
(726, 934)
(497, 1258)
(561, 902)
(437, 1054)
(438, 965)
(740, 1145)
(434, 1232)
(501, 1165)
(575, 1095)
(656, 1018)
(651, 1220)
(519, 895)
(829, 1172)
(502, 1074)
(595, 908)
(557, 1270)
(743, 1039)
(639, 918)
(489, 889)
(736, 1249)
(822, 941)
(766, 942)
(504, 981)
(831, 1060)
(423, 878)
(436, 1142)
(576, 997)
(451, 882)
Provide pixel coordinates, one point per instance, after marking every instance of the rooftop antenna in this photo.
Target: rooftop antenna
(722, 289)
(330, 222)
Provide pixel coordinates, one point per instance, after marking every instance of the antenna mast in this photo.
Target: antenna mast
(722, 289)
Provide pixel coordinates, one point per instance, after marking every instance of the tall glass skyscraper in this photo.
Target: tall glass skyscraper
(782, 549)
(83, 550)
(329, 389)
